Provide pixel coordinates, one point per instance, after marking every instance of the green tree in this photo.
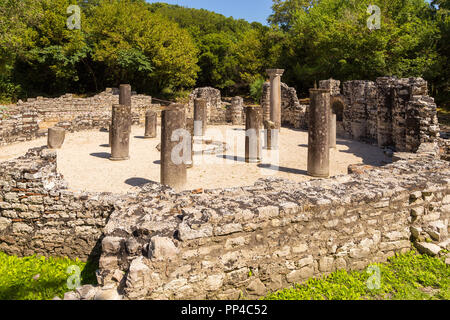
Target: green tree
(42, 53)
(331, 39)
(138, 46)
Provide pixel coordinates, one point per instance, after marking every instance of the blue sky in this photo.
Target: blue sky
(250, 10)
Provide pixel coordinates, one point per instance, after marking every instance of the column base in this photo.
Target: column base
(318, 175)
(253, 160)
(119, 159)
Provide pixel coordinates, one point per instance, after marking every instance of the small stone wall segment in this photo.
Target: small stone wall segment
(17, 124)
(293, 114)
(390, 112)
(221, 244)
(38, 215)
(217, 110)
(28, 120)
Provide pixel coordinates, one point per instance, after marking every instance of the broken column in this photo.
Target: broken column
(333, 129)
(275, 108)
(120, 132)
(236, 110)
(318, 133)
(55, 137)
(125, 100)
(190, 129)
(265, 101)
(125, 95)
(200, 117)
(253, 124)
(151, 124)
(173, 167)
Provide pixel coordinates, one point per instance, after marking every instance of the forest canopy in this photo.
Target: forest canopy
(165, 50)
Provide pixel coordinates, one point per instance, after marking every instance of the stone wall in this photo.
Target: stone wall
(293, 114)
(27, 120)
(217, 110)
(221, 244)
(17, 124)
(38, 215)
(389, 112)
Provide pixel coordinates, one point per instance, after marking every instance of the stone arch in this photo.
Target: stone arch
(338, 107)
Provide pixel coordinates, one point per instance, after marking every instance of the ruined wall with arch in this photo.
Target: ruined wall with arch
(389, 112)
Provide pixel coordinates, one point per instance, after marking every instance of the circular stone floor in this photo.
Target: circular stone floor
(83, 160)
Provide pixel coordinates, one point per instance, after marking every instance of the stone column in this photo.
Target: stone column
(151, 124)
(200, 117)
(332, 130)
(318, 135)
(125, 100)
(265, 101)
(120, 132)
(236, 110)
(125, 95)
(275, 107)
(110, 133)
(56, 137)
(173, 169)
(190, 129)
(253, 124)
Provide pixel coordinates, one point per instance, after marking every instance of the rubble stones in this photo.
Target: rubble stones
(428, 248)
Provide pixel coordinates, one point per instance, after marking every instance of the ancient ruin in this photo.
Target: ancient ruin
(238, 223)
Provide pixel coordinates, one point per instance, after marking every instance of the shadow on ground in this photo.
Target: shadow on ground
(138, 182)
(102, 155)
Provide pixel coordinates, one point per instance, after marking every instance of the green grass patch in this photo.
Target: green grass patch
(404, 277)
(19, 278)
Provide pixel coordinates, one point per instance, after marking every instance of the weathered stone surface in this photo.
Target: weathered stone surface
(256, 287)
(428, 248)
(318, 134)
(297, 276)
(111, 294)
(162, 248)
(173, 165)
(87, 292)
(56, 137)
(151, 124)
(120, 132)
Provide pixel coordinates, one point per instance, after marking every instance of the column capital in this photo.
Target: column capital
(275, 72)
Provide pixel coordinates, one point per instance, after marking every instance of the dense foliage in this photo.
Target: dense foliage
(404, 277)
(40, 278)
(164, 49)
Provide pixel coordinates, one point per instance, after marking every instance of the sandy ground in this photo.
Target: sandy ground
(84, 160)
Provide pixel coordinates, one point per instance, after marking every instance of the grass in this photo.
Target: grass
(39, 278)
(405, 277)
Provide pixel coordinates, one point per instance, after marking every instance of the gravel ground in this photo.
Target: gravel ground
(83, 160)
